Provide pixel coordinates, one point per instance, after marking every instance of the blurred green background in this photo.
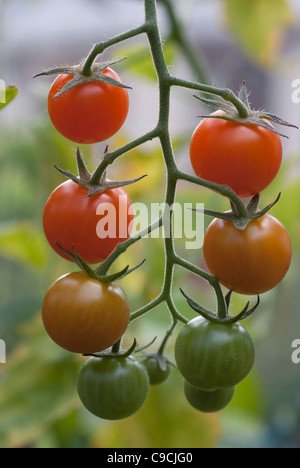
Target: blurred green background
(232, 40)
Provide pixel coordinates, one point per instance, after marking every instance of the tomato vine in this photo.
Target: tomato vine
(235, 109)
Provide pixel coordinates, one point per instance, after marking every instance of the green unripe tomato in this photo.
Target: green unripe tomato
(113, 388)
(213, 356)
(158, 369)
(208, 402)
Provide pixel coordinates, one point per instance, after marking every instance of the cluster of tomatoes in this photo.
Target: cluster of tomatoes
(81, 313)
(87, 315)
(246, 158)
(213, 356)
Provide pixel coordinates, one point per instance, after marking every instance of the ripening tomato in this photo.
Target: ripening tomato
(89, 112)
(244, 157)
(92, 225)
(85, 316)
(249, 261)
(208, 402)
(113, 387)
(213, 356)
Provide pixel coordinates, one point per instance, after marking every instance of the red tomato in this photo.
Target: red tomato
(249, 261)
(244, 157)
(71, 218)
(90, 112)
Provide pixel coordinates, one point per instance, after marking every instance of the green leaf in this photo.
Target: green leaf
(23, 243)
(258, 26)
(10, 94)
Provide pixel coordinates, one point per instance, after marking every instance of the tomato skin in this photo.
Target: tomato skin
(245, 157)
(212, 356)
(84, 316)
(90, 112)
(158, 371)
(113, 388)
(208, 402)
(249, 261)
(70, 219)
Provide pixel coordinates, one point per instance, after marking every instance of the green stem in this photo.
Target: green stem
(102, 46)
(226, 93)
(147, 308)
(167, 149)
(110, 158)
(221, 189)
(167, 336)
(221, 303)
(123, 246)
(178, 35)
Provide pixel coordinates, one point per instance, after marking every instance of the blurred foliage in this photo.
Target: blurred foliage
(10, 94)
(39, 406)
(259, 27)
(140, 61)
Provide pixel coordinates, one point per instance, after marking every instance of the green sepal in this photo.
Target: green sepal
(245, 313)
(244, 96)
(117, 276)
(228, 299)
(231, 217)
(142, 348)
(200, 310)
(254, 117)
(260, 213)
(69, 70)
(133, 349)
(79, 261)
(103, 278)
(83, 173)
(252, 206)
(109, 185)
(241, 222)
(84, 178)
(216, 104)
(79, 77)
(119, 354)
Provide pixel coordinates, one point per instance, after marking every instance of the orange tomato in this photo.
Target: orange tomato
(249, 261)
(85, 316)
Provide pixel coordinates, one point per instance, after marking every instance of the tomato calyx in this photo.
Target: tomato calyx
(115, 352)
(217, 318)
(241, 221)
(96, 75)
(86, 179)
(237, 109)
(100, 274)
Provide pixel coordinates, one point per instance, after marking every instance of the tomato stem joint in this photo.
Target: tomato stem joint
(240, 220)
(80, 76)
(89, 181)
(237, 109)
(216, 318)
